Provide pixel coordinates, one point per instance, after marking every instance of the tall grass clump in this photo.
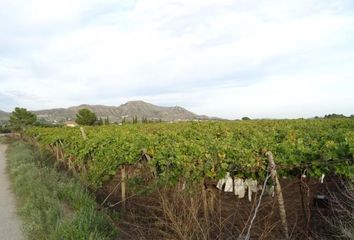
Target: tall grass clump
(342, 206)
(52, 204)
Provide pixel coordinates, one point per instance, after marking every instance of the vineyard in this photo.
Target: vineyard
(166, 170)
(195, 150)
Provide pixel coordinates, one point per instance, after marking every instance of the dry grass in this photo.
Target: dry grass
(52, 204)
(173, 213)
(341, 204)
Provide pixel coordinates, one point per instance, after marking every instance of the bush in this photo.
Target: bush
(5, 129)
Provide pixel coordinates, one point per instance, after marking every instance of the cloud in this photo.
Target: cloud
(205, 55)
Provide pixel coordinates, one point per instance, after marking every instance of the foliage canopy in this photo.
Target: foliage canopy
(86, 117)
(21, 119)
(195, 150)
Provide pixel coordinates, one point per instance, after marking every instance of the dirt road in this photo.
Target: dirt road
(10, 225)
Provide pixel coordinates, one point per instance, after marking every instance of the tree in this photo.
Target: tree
(99, 121)
(21, 119)
(85, 117)
(135, 119)
(334, 115)
(246, 118)
(106, 121)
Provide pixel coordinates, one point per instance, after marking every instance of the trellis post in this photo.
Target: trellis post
(123, 195)
(83, 133)
(280, 198)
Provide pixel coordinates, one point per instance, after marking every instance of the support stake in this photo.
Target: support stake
(123, 187)
(279, 193)
(205, 203)
(83, 133)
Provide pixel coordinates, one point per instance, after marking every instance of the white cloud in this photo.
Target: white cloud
(181, 52)
(305, 96)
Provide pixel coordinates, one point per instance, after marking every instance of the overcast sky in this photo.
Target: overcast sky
(217, 57)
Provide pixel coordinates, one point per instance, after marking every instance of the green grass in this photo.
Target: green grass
(52, 204)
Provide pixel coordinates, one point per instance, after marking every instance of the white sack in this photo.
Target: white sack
(239, 188)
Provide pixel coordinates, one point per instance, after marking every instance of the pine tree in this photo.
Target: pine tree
(20, 119)
(99, 122)
(86, 117)
(106, 121)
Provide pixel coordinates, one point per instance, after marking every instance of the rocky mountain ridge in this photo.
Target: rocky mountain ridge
(139, 109)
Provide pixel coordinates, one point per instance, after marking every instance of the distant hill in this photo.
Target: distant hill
(140, 109)
(4, 115)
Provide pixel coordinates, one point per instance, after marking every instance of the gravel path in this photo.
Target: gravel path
(10, 225)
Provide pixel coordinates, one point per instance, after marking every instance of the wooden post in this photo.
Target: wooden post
(279, 193)
(304, 190)
(83, 133)
(60, 146)
(205, 204)
(123, 177)
(211, 201)
(84, 136)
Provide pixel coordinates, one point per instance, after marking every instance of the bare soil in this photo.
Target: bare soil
(145, 216)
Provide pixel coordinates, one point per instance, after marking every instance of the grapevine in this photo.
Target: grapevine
(195, 150)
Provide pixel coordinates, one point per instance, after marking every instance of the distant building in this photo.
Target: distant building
(70, 124)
